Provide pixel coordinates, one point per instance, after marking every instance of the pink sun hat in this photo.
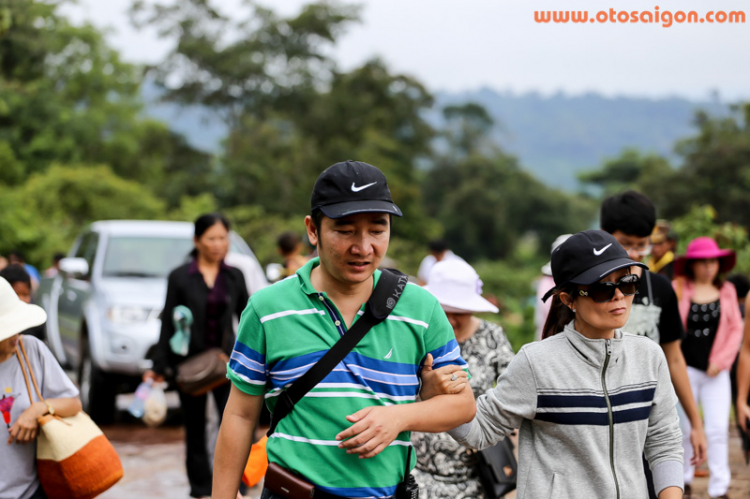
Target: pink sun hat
(702, 248)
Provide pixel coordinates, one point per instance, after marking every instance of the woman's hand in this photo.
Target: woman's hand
(713, 370)
(151, 375)
(447, 380)
(26, 427)
(743, 414)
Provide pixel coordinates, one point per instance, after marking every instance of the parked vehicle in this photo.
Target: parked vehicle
(104, 306)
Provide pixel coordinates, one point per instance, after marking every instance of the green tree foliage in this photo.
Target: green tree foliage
(467, 128)
(716, 169)
(291, 114)
(48, 211)
(66, 97)
(703, 221)
(631, 170)
(251, 62)
(484, 199)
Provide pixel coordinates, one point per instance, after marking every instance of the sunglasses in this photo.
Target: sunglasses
(602, 292)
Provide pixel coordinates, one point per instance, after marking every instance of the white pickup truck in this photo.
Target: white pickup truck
(104, 306)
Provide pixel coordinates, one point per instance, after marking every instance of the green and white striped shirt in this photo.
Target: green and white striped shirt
(286, 328)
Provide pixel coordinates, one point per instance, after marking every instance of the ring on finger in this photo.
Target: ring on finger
(454, 377)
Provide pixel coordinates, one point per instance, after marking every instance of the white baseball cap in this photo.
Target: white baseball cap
(15, 315)
(458, 288)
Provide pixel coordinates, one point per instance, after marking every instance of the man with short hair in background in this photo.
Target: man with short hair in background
(663, 243)
(630, 217)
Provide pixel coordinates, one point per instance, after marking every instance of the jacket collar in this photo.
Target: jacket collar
(594, 351)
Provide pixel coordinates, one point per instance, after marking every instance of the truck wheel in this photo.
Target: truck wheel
(98, 394)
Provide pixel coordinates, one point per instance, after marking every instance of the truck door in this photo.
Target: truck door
(75, 291)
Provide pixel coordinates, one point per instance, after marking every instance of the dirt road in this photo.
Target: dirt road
(154, 465)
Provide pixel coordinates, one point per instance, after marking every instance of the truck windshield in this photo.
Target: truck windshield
(145, 256)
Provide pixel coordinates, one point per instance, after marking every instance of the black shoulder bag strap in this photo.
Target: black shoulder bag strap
(381, 303)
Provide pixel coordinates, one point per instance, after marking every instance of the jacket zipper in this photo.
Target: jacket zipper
(611, 418)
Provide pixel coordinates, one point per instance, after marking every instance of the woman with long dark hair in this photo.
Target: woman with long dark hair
(216, 296)
(713, 324)
(589, 399)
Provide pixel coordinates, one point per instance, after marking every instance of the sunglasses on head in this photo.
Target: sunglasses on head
(602, 292)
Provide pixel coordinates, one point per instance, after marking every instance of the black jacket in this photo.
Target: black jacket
(190, 290)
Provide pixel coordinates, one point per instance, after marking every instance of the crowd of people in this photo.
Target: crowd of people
(626, 390)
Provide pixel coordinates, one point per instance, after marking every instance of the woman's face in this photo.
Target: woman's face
(8, 346)
(605, 316)
(458, 321)
(213, 245)
(706, 270)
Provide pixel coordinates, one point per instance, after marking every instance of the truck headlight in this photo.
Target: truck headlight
(127, 314)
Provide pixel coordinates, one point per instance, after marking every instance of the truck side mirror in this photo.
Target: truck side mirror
(74, 267)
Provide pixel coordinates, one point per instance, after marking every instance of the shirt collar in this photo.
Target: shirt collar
(663, 262)
(193, 268)
(304, 276)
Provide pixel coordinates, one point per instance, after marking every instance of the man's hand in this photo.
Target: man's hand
(447, 380)
(713, 370)
(25, 428)
(373, 430)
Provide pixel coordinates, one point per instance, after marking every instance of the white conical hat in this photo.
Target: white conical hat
(15, 315)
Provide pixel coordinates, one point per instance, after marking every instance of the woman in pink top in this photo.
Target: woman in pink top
(713, 324)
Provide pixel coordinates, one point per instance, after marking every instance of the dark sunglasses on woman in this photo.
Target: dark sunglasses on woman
(602, 292)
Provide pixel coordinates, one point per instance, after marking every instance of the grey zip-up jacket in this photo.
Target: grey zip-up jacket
(587, 411)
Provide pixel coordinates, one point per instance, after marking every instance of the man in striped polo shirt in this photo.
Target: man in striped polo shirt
(349, 436)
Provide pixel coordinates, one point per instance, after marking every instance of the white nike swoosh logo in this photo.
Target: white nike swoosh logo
(599, 252)
(361, 188)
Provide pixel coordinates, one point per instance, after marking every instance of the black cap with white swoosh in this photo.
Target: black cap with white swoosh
(587, 257)
(352, 187)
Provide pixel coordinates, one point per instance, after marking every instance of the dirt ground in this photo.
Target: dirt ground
(154, 465)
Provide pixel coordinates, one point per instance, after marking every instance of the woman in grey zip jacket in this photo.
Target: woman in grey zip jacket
(591, 400)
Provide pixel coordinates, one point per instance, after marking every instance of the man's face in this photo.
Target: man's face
(637, 247)
(351, 248)
(658, 250)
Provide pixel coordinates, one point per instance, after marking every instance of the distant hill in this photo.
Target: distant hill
(554, 137)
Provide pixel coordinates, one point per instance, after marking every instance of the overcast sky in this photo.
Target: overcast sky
(463, 45)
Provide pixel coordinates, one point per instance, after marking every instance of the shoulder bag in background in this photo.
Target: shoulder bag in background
(74, 459)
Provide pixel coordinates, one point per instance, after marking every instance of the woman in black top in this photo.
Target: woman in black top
(216, 295)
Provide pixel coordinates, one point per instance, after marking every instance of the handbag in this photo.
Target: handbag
(74, 460)
(497, 468)
(202, 373)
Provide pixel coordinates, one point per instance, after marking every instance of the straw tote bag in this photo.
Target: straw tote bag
(74, 459)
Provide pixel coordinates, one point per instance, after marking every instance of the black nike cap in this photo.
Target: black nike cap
(587, 257)
(352, 187)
